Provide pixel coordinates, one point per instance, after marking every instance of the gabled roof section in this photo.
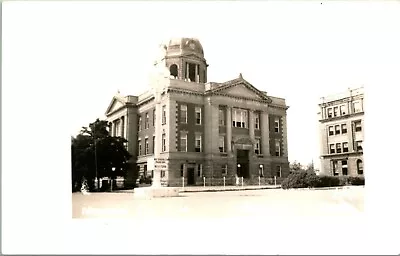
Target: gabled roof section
(239, 87)
(119, 101)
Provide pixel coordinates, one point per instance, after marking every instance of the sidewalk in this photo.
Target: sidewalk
(213, 188)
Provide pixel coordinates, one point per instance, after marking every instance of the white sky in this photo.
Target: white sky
(63, 61)
(86, 52)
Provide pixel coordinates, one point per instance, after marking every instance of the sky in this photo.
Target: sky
(298, 51)
(62, 62)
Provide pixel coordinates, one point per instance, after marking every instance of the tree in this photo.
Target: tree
(295, 166)
(95, 153)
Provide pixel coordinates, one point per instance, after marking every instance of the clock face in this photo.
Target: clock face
(192, 46)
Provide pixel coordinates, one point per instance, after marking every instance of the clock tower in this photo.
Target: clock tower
(184, 58)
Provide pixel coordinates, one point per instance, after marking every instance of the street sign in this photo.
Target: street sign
(160, 163)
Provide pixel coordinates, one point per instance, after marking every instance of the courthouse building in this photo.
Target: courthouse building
(342, 133)
(193, 128)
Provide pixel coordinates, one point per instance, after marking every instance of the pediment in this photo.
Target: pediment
(114, 105)
(241, 90)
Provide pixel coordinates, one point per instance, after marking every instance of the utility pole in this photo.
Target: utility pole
(95, 159)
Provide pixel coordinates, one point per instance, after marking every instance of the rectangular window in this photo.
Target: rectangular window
(154, 144)
(147, 121)
(199, 170)
(261, 170)
(357, 106)
(184, 114)
(344, 128)
(337, 129)
(221, 144)
(257, 147)
(359, 145)
(162, 174)
(221, 115)
(164, 143)
(146, 146)
(183, 142)
(182, 169)
(140, 124)
(345, 147)
(154, 117)
(277, 148)
(276, 124)
(139, 147)
(344, 167)
(358, 126)
(332, 148)
(278, 171)
(239, 118)
(335, 111)
(329, 112)
(331, 132)
(198, 115)
(164, 114)
(197, 145)
(343, 110)
(338, 148)
(224, 169)
(256, 120)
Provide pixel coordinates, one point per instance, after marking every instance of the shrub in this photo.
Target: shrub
(328, 181)
(357, 180)
(300, 179)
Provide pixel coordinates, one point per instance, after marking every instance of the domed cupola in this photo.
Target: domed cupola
(185, 60)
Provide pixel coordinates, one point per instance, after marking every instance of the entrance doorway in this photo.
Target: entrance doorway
(190, 178)
(243, 163)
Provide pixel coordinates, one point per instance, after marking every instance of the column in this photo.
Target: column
(264, 123)
(114, 128)
(126, 126)
(122, 118)
(187, 71)
(228, 129)
(197, 73)
(251, 124)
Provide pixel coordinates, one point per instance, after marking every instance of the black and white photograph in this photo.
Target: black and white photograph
(199, 127)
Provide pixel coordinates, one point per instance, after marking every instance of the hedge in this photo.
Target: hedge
(308, 179)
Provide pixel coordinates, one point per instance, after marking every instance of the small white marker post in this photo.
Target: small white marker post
(275, 180)
(242, 182)
(204, 181)
(259, 181)
(224, 182)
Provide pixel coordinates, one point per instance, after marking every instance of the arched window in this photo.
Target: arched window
(360, 167)
(174, 70)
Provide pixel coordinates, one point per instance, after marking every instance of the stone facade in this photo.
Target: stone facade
(342, 133)
(200, 130)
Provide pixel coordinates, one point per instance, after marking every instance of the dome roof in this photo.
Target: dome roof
(184, 45)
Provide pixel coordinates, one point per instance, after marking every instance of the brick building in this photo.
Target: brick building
(342, 133)
(189, 127)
